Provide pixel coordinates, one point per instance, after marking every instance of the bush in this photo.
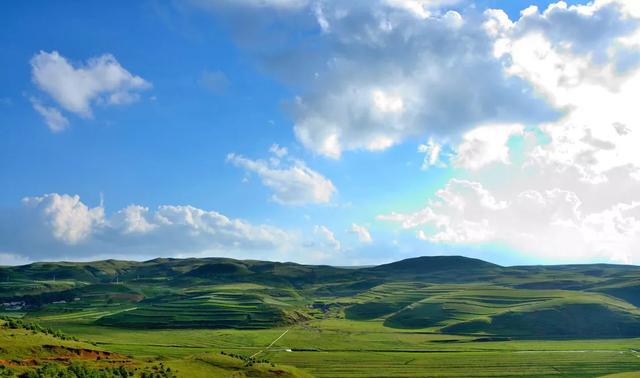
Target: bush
(13, 323)
(79, 371)
(6, 372)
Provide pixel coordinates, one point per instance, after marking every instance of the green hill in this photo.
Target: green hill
(431, 264)
(447, 294)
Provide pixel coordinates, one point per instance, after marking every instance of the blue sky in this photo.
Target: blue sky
(317, 131)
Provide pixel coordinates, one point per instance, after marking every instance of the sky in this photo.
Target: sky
(320, 131)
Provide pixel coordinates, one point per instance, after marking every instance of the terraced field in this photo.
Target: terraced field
(211, 310)
(496, 310)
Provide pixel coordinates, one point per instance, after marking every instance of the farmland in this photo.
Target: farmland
(449, 317)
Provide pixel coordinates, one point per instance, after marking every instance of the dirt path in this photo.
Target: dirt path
(270, 345)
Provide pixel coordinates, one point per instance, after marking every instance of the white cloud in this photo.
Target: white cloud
(577, 56)
(295, 184)
(576, 197)
(389, 78)
(387, 103)
(55, 226)
(217, 230)
(69, 220)
(552, 224)
(420, 8)
(371, 75)
(76, 88)
(362, 233)
(133, 219)
(485, 145)
(327, 237)
(52, 116)
(431, 151)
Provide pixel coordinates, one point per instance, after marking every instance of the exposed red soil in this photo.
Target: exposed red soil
(25, 362)
(65, 353)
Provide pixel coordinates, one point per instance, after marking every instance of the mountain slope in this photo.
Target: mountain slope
(448, 294)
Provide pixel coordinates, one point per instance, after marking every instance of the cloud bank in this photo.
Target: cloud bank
(55, 226)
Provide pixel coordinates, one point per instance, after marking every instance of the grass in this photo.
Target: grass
(428, 318)
(23, 350)
(496, 310)
(462, 364)
(344, 348)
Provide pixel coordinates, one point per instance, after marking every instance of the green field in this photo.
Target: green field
(440, 317)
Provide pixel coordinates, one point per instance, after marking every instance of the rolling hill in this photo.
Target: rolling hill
(443, 294)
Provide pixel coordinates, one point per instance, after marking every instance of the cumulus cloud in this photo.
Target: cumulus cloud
(551, 224)
(76, 88)
(133, 219)
(362, 232)
(485, 145)
(374, 74)
(576, 194)
(57, 226)
(572, 54)
(69, 220)
(293, 184)
(391, 78)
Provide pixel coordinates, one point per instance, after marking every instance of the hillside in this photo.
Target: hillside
(30, 351)
(445, 294)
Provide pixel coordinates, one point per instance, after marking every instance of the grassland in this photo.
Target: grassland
(343, 348)
(428, 317)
